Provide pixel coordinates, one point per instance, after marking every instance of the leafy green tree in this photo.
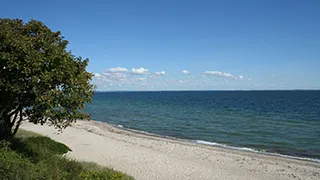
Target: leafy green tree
(40, 81)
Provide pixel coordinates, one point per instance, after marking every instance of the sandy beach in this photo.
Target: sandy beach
(148, 157)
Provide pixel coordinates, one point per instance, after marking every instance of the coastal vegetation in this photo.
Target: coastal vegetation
(31, 156)
(40, 80)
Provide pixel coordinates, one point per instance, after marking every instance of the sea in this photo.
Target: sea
(281, 123)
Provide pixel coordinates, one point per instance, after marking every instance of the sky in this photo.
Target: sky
(187, 44)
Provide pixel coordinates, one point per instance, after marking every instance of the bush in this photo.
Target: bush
(38, 157)
(60, 168)
(24, 134)
(45, 144)
(37, 148)
(101, 175)
(5, 145)
(95, 171)
(14, 167)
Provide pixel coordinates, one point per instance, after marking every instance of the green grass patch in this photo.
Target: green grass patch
(32, 156)
(24, 134)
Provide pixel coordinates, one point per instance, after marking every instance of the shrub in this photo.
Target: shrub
(24, 134)
(95, 171)
(4, 145)
(38, 157)
(38, 147)
(14, 167)
(57, 167)
(102, 175)
(42, 143)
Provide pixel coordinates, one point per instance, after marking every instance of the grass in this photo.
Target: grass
(25, 134)
(32, 156)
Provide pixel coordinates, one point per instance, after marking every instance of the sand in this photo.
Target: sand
(147, 157)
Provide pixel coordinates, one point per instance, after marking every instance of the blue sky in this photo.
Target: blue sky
(221, 45)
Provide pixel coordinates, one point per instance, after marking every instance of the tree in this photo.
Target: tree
(40, 81)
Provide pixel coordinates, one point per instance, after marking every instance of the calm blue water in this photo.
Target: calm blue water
(284, 122)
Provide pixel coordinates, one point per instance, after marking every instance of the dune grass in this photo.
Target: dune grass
(32, 156)
(24, 134)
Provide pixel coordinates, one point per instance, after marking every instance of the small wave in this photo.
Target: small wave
(255, 151)
(217, 144)
(226, 146)
(208, 143)
(137, 131)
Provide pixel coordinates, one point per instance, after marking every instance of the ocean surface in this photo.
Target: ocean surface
(277, 122)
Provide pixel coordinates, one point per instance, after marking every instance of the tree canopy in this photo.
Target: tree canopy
(40, 81)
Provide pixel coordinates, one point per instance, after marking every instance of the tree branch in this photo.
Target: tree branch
(14, 119)
(18, 123)
(15, 111)
(43, 120)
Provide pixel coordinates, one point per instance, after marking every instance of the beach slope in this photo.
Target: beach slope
(150, 157)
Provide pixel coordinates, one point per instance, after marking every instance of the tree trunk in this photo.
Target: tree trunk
(5, 127)
(18, 123)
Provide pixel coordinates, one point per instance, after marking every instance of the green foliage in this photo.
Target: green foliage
(95, 171)
(45, 144)
(101, 175)
(34, 144)
(92, 166)
(57, 167)
(39, 78)
(24, 134)
(4, 145)
(37, 148)
(13, 166)
(39, 157)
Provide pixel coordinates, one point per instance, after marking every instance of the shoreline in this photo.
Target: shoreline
(240, 150)
(212, 144)
(150, 156)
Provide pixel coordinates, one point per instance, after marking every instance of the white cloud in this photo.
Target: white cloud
(217, 73)
(112, 76)
(222, 75)
(141, 79)
(161, 73)
(249, 79)
(140, 71)
(96, 75)
(117, 70)
(186, 72)
(115, 78)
